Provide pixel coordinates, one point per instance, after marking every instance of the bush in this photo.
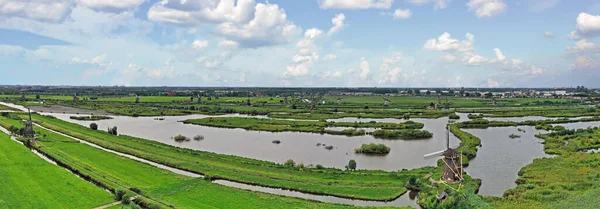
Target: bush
(373, 149)
(126, 199)
(180, 138)
(113, 130)
(454, 116)
(198, 137)
(351, 165)
(5, 114)
(319, 166)
(94, 126)
(119, 194)
(136, 190)
(289, 163)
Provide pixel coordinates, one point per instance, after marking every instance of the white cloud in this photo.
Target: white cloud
(355, 4)
(439, 4)
(499, 56)
(535, 71)
(194, 13)
(200, 44)
(583, 62)
(573, 35)
(389, 72)
(486, 8)
(492, 83)
(587, 26)
(456, 50)
(40, 10)
(402, 14)
(212, 63)
(99, 60)
(228, 44)
(338, 23)
(244, 21)
(583, 46)
(113, 6)
(330, 57)
(332, 75)
(306, 56)
(445, 42)
(269, 26)
(549, 34)
(365, 69)
(475, 60)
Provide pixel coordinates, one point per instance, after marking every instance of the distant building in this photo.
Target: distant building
(335, 93)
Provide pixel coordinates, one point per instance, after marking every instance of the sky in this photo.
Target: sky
(301, 43)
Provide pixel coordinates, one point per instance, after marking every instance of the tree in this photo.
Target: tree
(410, 91)
(94, 126)
(462, 91)
(351, 165)
(451, 92)
(428, 92)
(37, 96)
(294, 106)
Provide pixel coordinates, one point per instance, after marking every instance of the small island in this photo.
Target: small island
(91, 118)
(402, 134)
(514, 136)
(373, 149)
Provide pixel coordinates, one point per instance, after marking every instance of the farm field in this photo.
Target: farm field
(34, 182)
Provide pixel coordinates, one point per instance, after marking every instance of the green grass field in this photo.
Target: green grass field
(30, 182)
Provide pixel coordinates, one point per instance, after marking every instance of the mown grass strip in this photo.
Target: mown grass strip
(30, 182)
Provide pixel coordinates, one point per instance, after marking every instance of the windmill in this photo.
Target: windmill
(199, 99)
(313, 102)
(28, 131)
(339, 100)
(75, 99)
(453, 169)
(137, 99)
(248, 102)
(386, 101)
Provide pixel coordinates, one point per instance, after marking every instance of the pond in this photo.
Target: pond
(500, 157)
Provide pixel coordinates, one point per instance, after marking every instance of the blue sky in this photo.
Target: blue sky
(301, 43)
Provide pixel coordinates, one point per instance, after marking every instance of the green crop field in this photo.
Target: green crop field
(2, 107)
(161, 186)
(30, 182)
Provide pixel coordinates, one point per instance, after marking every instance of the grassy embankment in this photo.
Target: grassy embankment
(2, 107)
(408, 134)
(362, 184)
(157, 187)
(30, 182)
(272, 125)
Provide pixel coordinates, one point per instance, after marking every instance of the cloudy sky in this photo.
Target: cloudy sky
(301, 43)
